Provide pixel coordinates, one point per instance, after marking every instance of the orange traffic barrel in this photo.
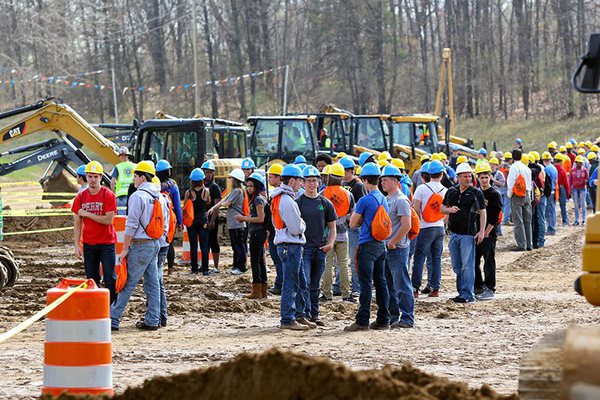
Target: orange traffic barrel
(119, 225)
(77, 349)
(186, 256)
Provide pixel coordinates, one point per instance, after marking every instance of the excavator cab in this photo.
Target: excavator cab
(370, 132)
(333, 131)
(412, 136)
(282, 139)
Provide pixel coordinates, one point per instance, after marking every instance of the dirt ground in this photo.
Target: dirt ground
(210, 323)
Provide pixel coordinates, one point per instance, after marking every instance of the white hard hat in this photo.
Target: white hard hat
(124, 150)
(238, 174)
(463, 167)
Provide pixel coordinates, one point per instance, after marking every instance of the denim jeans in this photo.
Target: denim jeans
(371, 270)
(579, 200)
(162, 256)
(95, 254)
(122, 205)
(238, 246)
(313, 265)
(563, 205)
(430, 244)
(462, 254)
(277, 261)
(551, 214)
(199, 232)
(141, 261)
(505, 208)
(540, 239)
(402, 300)
(352, 246)
(293, 279)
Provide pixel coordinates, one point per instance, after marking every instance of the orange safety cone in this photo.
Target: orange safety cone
(78, 349)
(186, 256)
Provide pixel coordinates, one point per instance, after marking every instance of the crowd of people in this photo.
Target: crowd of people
(339, 227)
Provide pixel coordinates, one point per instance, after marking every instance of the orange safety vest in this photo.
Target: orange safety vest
(277, 221)
(339, 197)
(567, 165)
(246, 205)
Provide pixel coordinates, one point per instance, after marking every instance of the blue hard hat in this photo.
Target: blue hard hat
(517, 140)
(391, 170)
(162, 165)
(453, 147)
(293, 171)
(311, 172)
(370, 169)
(248, 163)
(197, 175)
(300, 159)
(425, 167)
(364, 156)
(255, 176)
(435, 167)
(482, 151)
(208, 165)
(573, 141)
(81, 170)
(347, 163)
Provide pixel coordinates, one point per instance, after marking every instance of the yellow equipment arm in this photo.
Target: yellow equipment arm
(49, 115)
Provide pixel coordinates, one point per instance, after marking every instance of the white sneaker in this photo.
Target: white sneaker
(236, 271)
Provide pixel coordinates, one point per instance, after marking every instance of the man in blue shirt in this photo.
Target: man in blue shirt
(371, 255)
(550, 211)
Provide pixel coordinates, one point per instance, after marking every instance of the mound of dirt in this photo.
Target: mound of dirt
(297, 376)
(25, 224)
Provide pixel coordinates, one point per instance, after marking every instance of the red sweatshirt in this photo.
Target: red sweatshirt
(562, 178)
(578, 177)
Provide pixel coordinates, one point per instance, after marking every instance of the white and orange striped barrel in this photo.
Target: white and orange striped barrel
(119, 225)
(78, 350)
(186, 256)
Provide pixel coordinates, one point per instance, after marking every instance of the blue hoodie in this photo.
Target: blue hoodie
(406, 184)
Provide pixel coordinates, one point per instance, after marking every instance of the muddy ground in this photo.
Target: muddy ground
(210, 323)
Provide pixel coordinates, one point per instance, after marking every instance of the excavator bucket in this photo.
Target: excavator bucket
(61, 183)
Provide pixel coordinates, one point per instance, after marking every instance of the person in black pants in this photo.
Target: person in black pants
(213, 222)
(198, 231)
(255, 184)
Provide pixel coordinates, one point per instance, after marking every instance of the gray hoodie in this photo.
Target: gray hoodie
(293, 231)
(141, 204)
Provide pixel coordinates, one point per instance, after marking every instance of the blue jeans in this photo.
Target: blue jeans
(277, 261)
(293, 279)
(122, 203)
(371, 270)
(162, 256)
(462, 254)
(430, 245)
(95, 254)
(399, 286)
(551, 214)
(505, 208)
(563, 205)
(313, 265)
(141, 261)
(352, 246)
(540, 240)
(579, 200)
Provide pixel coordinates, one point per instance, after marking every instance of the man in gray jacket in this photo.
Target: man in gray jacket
(289, 238)
(140, 250)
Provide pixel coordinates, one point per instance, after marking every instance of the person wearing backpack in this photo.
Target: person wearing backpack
(519, 186)
(371, 215)
(198, 231)
(143, 230)
(485, 288)
(274, 180)
(538, 179)
(564, 188)
(402, 301)
(465, 205)
(235, 206)
(319, 216)
(552, 182)
(427, 202)
(169, 187)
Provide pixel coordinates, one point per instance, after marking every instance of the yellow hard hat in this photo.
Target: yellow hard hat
(337, 169)
(562, 149)
(482, 167)
(424, 157)
(559, 156)
(358, 170)
(461, 159)
(146, 167)
(546, 155)
(508, 155)
(326, 170)
(382, 163)
(580, 159)
(525, 159)
(156, 181)
(398, 163)
(493, 160)
(580, 151)
(588, 143)
(569, 145)
(552, 145)
(275, 169)
(94, 167)
(340, 155)
(435, 157)
(385, 155)
(581, 144)
(443, 156)
(595, 148)
(592, 156)
(536, 155)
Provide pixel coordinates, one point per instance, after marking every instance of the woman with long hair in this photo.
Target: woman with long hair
(198, 231)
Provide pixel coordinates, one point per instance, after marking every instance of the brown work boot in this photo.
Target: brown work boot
(263, 290)
(294, 326)
(255, 292)
(304, 321)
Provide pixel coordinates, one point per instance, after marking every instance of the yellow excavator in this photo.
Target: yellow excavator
(566, 364)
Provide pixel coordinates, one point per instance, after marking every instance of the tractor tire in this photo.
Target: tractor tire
(5, 249)
(12, 269)
(3, 276)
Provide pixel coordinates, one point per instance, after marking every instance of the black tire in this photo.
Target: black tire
(12, 269)
(6, 250)
(3, 276)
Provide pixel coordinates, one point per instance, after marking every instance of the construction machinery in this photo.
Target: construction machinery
(566, 364)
